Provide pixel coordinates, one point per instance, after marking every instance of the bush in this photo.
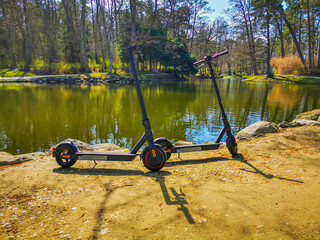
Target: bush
(94, 66)
(287, 65)
(38, 66)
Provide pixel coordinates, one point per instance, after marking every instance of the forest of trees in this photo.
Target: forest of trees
(71, 36)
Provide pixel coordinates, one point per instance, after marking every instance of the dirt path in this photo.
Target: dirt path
(270, 192)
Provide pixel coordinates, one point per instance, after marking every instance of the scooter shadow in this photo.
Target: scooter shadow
(197, 161)
(172, 197)
(109, 172)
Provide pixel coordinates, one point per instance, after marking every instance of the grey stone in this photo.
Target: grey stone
(284, 124)
(257, 129)
(106, 147)
(181, 142)
(311, 115)
(17, 159)
(303, 122)
(82, 146)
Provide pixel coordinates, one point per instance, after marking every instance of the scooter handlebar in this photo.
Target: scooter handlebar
(213, 56)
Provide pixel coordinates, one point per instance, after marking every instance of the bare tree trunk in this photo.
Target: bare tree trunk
(70, 24)
(269, 73)
(154, 17)
(292, 32)
(27, 57)
(318, 65)
(279, 26)
(84, 50)
(133, 9)
(94, 33)
(12, 58)
(194, 23)
(309, 37)
(295, 41)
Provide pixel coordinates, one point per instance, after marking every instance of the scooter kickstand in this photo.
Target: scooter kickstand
(179, 157)
(95, 163)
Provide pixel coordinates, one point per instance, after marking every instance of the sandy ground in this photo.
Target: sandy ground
(271, 191)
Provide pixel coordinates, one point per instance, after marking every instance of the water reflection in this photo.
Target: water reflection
(33, 117)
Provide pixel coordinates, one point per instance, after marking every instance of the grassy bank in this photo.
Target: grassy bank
(284, 79)
(14, 73)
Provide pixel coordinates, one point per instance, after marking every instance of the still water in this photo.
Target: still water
(34, 117)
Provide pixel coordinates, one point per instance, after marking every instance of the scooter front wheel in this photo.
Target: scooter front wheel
(232, 145)
(154, 159)
(63, 154)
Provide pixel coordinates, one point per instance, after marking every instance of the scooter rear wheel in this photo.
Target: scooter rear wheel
(155, 159)
(67, 150)
(166, 144)
(232, 145)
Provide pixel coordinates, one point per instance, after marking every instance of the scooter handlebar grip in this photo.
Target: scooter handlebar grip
(198, 62)
(219, 54)
(213, 56)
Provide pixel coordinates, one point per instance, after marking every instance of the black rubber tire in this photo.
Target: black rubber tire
(166, 144)
(65, 148)
(151, 163)
(232, 145)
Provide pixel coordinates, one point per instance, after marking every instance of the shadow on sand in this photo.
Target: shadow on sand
(172, 197)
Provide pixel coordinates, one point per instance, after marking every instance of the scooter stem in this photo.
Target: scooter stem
(224, 116)
(145, 121)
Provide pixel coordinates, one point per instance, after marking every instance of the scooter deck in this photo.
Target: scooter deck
(105, 156)
(195, 147)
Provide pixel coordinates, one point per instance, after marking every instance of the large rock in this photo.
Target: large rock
(284, 124)
(257, 129)
(303, 122)
(103, 147)
(181, 143)
(82, 146)
(312, 115)
(17, 159)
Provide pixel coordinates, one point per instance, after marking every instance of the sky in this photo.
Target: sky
(219, 6)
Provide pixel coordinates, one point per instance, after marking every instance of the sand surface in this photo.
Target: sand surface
(271, 191)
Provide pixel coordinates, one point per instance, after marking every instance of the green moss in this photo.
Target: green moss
(229, 77)
(285, 79)
(14, 73)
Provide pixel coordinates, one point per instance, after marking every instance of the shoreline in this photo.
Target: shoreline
(288, 79)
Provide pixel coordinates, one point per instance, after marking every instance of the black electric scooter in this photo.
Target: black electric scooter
(153, 156)
(230, 141)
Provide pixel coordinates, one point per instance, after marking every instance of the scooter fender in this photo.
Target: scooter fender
(54, 152)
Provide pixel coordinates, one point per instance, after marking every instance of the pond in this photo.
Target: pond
(34, 117)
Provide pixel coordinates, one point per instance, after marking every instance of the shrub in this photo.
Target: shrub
(38, 66)
(94, 66)
(287, 65)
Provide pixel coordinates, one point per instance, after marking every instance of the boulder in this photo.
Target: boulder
(257, 129)
(17, 159)
(181, 142)
(312, 115)
(284, 124)
(106, 147)
(82, 146)
(302, 122)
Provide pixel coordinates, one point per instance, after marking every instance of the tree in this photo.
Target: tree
(8, 31)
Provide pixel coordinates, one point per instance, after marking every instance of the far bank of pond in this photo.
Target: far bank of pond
(292, 79)
(33, 117)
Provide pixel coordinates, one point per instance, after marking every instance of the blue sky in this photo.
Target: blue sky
(219, 6)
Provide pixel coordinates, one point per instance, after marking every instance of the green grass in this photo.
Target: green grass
(14, 73)
(285, 79)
